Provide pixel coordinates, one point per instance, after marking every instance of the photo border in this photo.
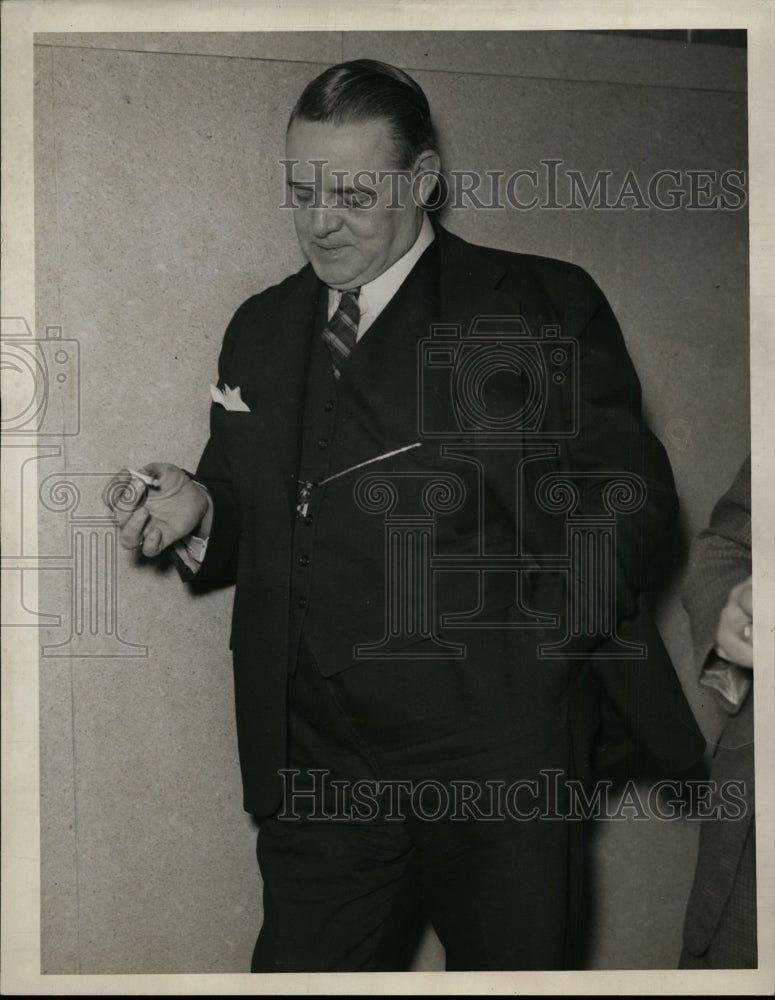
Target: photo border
(20, 778)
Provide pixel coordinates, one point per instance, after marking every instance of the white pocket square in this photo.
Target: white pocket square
(229, 399)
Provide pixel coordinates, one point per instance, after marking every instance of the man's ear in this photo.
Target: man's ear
(425, 174)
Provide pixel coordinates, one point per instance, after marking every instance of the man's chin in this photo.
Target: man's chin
(336, 279)
(336, 273)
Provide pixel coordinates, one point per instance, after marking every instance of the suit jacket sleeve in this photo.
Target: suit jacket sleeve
(720, 558)
(219, 567)
(612, 438)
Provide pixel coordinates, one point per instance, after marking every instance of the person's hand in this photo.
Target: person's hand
(153, 516)
(734, 640)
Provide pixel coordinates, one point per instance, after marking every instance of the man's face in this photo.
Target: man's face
(343, 223)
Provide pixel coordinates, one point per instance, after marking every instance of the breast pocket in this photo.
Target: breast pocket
(236, 428)
(242, 439)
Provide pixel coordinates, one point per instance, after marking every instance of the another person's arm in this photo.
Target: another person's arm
(717, 595)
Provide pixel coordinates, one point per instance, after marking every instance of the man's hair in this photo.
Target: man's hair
(363, 90)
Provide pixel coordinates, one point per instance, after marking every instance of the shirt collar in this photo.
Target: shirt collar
(376, 294)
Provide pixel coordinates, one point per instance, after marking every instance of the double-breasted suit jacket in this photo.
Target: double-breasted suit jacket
(579, 414)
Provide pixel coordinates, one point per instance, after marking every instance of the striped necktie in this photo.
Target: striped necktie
(341, 330)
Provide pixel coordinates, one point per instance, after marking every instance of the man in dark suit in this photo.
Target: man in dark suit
(720, 925)
(429, 478)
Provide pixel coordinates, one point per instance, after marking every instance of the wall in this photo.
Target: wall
(156, 190)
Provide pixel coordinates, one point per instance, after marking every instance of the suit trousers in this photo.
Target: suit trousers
(407, 802)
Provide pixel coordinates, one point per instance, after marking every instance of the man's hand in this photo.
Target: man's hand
(154, 516)
(733, 638)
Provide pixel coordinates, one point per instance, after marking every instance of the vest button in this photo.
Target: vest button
(303, 560)
(322, 444)
(329, 406)
(308, 519)
(302, 602)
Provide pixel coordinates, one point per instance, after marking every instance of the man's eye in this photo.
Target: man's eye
(303, 196)
(352, 199)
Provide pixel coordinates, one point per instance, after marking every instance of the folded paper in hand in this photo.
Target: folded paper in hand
(230, 399)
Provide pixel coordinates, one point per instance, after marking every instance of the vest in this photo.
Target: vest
(338, 574)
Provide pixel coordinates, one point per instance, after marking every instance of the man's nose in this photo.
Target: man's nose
(324, 221)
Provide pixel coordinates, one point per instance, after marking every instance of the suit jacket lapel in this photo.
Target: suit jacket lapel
(284, 373)
(467, 288)
(468, 282)
(381, 366)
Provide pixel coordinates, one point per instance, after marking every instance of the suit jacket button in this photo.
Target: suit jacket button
(303, 560)
(322, 444)
(329, 406)
(302, 602)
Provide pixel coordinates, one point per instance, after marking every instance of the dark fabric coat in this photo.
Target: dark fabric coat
(590, 416)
